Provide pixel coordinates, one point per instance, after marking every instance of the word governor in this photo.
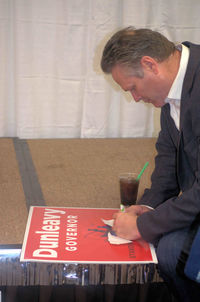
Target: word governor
(50, 238)
(71, 233)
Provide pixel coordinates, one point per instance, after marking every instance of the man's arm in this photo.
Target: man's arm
(164, 177)
(164, 186)
(175, 211)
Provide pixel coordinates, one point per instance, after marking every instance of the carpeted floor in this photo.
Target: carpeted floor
(65, 172)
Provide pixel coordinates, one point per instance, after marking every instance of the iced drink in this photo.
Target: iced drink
(128, 188)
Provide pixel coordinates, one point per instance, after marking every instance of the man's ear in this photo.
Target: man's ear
(149, 64)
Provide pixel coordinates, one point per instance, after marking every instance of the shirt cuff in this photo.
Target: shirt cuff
(144, 205)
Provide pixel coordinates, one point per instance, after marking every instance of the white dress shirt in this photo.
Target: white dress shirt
(174, 96)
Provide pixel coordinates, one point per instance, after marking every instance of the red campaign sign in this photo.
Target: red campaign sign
(77, 235)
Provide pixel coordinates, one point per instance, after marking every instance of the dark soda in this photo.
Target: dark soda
(128, 191)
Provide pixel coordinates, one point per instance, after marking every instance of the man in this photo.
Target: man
(154, 70)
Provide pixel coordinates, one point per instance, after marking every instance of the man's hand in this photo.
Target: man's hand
(125, 225)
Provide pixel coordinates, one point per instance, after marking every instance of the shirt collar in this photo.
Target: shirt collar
(176, 88)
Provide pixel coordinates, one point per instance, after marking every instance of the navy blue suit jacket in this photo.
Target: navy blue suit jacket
(175, 189)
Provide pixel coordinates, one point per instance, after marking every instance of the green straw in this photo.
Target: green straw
(142, 171)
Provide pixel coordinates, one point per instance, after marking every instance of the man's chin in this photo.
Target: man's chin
(158, 104)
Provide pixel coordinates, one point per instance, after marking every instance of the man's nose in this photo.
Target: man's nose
(136, 96)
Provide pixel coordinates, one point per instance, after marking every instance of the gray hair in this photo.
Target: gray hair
(127, 46)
